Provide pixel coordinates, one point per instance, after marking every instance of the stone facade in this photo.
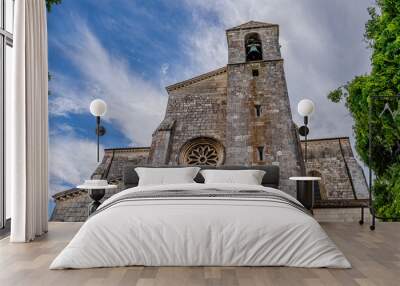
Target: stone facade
(114, 161)
(71, 205)
(244, 106)
(341, 176)
(236, 115)
(195, 109)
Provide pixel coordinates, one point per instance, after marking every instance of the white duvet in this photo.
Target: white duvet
(200, 231)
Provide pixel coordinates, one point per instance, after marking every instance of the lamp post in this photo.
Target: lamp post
(305, 108)
(98, 108)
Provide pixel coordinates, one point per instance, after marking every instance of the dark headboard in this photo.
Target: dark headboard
(270, 179)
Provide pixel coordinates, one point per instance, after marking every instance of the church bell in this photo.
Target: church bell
(253, 50)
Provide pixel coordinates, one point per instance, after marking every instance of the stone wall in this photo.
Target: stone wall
(266, 136)
(197, 109)
(355, 171)
(71, 205)
(333, 160)
(222, 105)
(269, 34)
(115, 159)
(161, 143)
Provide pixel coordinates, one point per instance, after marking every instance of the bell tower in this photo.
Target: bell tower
(259, 127)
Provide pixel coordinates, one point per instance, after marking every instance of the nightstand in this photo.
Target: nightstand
(96, 191)
(305, 190)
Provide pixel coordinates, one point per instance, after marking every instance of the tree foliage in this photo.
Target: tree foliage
(50, 3)
(382, 33)
(388, 203)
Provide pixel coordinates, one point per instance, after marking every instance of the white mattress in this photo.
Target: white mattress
(200, 231)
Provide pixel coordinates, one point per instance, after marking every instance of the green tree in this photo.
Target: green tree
(382, 33)
(49, 4)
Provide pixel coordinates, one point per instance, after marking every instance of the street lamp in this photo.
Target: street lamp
(98, 108)
(305, 108)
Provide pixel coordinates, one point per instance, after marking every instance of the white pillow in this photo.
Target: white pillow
(164, 176)
(248, 177)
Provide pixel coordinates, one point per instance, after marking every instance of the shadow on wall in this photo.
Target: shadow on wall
(319, 186)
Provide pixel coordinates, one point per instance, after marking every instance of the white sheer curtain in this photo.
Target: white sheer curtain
(27, 123)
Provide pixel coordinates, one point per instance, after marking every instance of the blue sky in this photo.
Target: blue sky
(126, 52)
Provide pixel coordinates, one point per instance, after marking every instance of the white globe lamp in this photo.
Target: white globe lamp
(305, 108)
(98, 108)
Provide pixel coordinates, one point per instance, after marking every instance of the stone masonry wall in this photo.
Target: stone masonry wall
(273, 130)
(333, 160)
(355, 171)
(198, 109)
(269, 35)
(73, 207)
(122, 158)
(161, 143)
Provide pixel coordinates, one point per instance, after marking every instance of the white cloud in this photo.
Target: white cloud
(164, 69)
(206, 48)
(134, 105)
(66, 97)
(72, 160)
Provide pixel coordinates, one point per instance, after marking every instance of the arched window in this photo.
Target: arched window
(202, 151)
(253, 47)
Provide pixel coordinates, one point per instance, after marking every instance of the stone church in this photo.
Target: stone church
(238, 115)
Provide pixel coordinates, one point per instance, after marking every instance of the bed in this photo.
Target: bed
(197, 224)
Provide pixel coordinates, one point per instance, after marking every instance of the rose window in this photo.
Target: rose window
(202, 151)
